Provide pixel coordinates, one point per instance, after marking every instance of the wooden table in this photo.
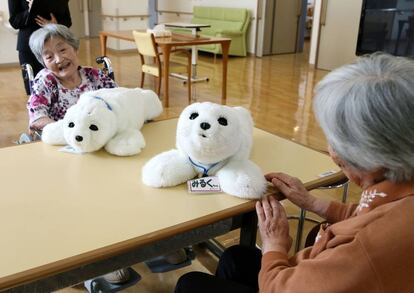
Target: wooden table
(66, 218)
(166, 44)
(195, 28)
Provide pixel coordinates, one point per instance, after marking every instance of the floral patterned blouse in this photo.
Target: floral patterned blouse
(51, 99)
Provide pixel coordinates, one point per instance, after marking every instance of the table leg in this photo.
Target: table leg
(194, 57)
(166, 50)
(248, 229)
(102, 39)
(225, 45)
(194, 77)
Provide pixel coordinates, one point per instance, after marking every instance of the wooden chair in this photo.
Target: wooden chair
(147, 47)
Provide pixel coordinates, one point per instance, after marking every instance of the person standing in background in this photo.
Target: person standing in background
(20, 19)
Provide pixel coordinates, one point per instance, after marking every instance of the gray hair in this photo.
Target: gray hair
(366, 111)
(42, 35)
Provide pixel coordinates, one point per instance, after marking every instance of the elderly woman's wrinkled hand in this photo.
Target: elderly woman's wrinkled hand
(293, 189)
(273, 226)
(43, 21)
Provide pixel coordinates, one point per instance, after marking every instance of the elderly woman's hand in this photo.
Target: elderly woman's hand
(293, 189)
(43, 21)
(273, 226)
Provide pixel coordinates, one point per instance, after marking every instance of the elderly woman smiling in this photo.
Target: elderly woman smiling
(366, 111)
(59, 85)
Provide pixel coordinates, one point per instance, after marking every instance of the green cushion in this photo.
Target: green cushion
(220, 13)
(225, 22)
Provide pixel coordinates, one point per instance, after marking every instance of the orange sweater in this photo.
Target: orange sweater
(369, 248)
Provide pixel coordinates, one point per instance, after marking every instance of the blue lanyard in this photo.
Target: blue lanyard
(106, 103)
(205, 169)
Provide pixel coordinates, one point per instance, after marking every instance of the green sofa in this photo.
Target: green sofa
(225, 22)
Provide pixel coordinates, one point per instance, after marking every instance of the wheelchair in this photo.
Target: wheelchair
(27, 70)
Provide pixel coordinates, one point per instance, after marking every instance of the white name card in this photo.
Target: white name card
(209, 184)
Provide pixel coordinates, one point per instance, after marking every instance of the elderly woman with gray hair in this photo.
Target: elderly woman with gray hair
(60, 84)
(366, 111)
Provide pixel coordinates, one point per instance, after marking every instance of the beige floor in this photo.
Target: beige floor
(276, 89)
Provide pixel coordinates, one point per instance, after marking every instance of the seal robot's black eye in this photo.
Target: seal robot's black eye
(71, 125)
(222, 121)
(193, 116)
(93, 127)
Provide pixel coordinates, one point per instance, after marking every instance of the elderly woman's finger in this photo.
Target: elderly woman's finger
(287, 179)
(259, 211)
(281, 185)
(276, 206)
(273, 202)
(270, 176)
(280, 213)
(267, 208)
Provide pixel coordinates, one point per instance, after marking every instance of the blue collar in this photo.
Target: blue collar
(205, 168)
(106, 103)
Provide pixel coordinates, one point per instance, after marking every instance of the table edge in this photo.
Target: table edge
(51, 269)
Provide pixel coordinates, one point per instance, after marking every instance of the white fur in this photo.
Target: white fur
(118, 113)
(229, 145)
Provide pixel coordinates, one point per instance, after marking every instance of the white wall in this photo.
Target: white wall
(187, 6)
(128, 8)
(315, 32)
(177, 5)
(339, 35)
(260, 29)
(8, 37)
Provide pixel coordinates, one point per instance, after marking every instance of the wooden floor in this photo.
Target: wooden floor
(276, 89)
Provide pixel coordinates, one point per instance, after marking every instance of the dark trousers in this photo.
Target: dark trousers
(237, 271)
(27, 57)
